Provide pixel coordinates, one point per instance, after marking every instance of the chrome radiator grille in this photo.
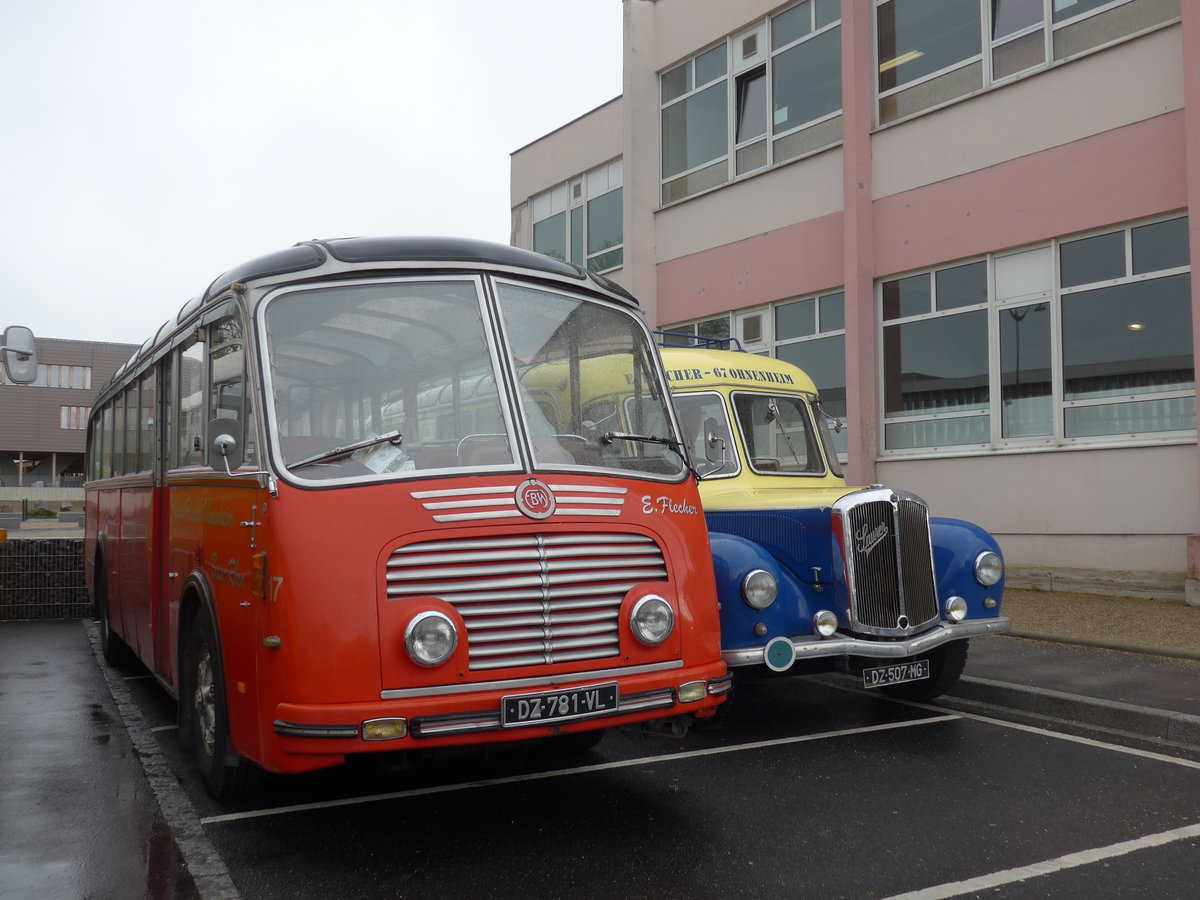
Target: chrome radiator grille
(530, 600)
(890, 560)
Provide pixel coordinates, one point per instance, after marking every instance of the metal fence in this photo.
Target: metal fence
(42, 578)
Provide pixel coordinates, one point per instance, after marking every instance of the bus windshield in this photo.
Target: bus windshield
(778, 434)
(577, 361)
(406, 377)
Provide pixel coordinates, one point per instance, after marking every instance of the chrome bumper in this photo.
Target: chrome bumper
(814, 647)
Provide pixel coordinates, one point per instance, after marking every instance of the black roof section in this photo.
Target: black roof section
(311, 254)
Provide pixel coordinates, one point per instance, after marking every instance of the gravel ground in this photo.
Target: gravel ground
(1148, 626)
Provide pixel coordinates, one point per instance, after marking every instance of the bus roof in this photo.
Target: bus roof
(700, 368)
(376, 253)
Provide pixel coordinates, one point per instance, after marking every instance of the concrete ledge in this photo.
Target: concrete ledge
(1111, 715)
(1101, 582)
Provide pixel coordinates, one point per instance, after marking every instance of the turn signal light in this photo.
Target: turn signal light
(384, 729)
(692, 691)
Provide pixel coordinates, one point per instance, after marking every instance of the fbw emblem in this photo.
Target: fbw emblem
(535, 499)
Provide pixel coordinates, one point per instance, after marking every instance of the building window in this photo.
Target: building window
(57, 376)
(811, 335)
(1084, 339)
(581, 221)
(931, 52)
(73, 418)
(699, 333)
(765, 96)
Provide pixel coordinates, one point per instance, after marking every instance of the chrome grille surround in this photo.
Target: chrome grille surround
(531, 599)
(888, 553)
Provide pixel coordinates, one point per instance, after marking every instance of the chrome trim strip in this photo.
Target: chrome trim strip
(722, 685)
(463, 492)
(294, 729)
(466, 517)
(564, 678)
(816, 648)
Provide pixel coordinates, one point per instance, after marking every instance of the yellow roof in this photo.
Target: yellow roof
(697, 368)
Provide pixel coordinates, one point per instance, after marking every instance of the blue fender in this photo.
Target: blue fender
(956, 546)
(791, 614)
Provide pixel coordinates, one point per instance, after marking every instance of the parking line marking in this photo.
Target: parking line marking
(577, 770)
(1050, 866)
(1044, 732)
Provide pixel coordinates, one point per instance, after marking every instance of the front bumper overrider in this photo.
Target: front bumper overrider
(815, 647)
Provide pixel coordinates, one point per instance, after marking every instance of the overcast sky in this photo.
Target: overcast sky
(149, 145)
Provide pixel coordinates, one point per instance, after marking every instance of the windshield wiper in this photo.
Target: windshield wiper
(392, 436)
(773, 416)
(671, 444)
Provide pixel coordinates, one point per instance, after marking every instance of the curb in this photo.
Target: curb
(204, 864)
(1102, 645)
(1112, 715)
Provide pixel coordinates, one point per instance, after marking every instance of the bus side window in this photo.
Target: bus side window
(227, 380)
(191, 404)
(132, 429)
(146, 419)
(118, 454)
(106, 443)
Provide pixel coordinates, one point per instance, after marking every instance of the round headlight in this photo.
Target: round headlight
(430, 638)
(989, 568)
(652, 620)
(825, 623)
(759, 589)
(956, 609)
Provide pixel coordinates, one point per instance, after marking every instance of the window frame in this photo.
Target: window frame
(737, 74)
(576, 195)
(986, 58)
(1060, 404)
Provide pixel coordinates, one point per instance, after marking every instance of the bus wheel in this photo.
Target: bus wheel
(225, 774)
(116, 651)
(945, 665)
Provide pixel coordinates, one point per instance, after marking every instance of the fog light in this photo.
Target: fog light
(956, 609)
(759, 589)
(652, 620)
(430, 638)
(384, 729)
(825, 623)
(692, 691)
(989, 568)
(989, 603)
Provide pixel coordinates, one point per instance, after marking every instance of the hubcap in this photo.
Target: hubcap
(204, 700)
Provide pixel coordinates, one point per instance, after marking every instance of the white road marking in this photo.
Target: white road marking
(1050, 866)
(559, 773)
(1044, 732)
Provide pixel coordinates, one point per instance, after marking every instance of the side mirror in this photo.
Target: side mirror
(20, 354)
(224, 443)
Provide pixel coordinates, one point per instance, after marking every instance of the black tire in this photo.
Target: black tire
(116, 652)
(945, 666)
(225, 774)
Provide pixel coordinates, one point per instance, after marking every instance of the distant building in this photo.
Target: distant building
(43, 426)
(968, 220)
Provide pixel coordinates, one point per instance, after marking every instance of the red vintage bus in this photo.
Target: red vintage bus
(360, 495)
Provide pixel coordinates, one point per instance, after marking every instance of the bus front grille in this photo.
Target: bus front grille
(530, 600)
(893, 590)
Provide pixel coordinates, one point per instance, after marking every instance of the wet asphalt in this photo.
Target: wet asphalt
(89, 809)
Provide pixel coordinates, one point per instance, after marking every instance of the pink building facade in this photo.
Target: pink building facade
(967, 220)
